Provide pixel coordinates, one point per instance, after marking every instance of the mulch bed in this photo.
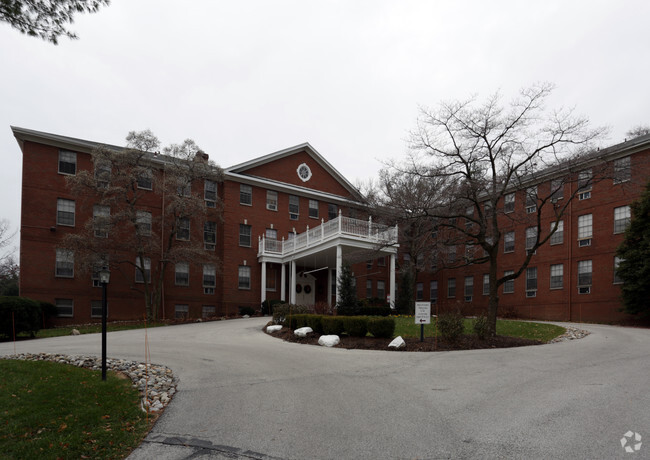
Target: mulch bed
(467, 342)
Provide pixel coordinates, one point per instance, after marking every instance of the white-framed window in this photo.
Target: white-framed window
(558, 236)
(585, 229)
(531, 199)
(64, 308)
(509, 286)
(182, 274)
(509, 203)
(100, 262)
(183, 232)
(244, 277)
(139, 276)
(531, 237)
(294, 207)
(509, 242)
(271, 200)
(584, 184)
(210, 193)
(145, 179)
(419, 291)
(143, 223)
(208, 311)
(96, 309)
(181, 311)
(102, 173)
(101, 219)
(622, 218)
(209, 235)
(381, 290)
(67, 162)
(245, 194)
(313, 209)
(557, 276)
(622, 170)
(469, 288)
(531, 281)
(368, 289)
(617, 263)
(64, 267)
(584, 276)
(209, 278)
(486, 284)
(245, 235)
(271, 234)
(451, 287)
(332, 211)
(65, 212)
(557, 190)
(451, 254)
(433, 291)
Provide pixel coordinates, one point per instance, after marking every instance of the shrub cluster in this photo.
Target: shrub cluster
(332, 325)
(354, 326)
(481, 326)
(269, 305)
(23, 313)
(250, 311)
(381, 327)
(451, 326)
(285, 310)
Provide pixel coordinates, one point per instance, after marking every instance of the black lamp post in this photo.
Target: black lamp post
(104, 277)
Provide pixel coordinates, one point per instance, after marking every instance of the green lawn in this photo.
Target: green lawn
(90, 329)
(51, 410)
(406, 327)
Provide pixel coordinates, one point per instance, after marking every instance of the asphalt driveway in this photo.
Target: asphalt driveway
(243, 394)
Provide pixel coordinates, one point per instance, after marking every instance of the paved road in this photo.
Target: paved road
(243, 394)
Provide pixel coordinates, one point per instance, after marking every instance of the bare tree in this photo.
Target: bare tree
(123, 225)
(638, 130)
(467, 157)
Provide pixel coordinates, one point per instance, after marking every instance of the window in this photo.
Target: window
(143, 223)
(332, 211)
(381, 290)
(451, 254)
(183, 232)
(368, 264)
(469, 288)
(209, 278)
(617, 263)
(271, 234)
(584, 276)
(245, 194)
(244, 277)
(558, 236)
(531, 199)
(585, 230)
(622, 170)
(184, 187)
(368, 289)
(145, 180)
(509, 242)
(486, 284)
(381, 262)
(557, 276)
(96, 309)
(65, 212)
(182, 274)
(64, 307)
(419, 291)
(139, 269)
(294, 207)
(102, 173)
(509, 203)
(531, 237)
(433, 291)
(101, 261)
(208, 311)
(101, 216)
(509, 286)
(531, 281)
(451, 287)
(181, 311)
(487, 206)
(67, 162)
(407, 258)
(584, 184)
(557, 190)
(271, 200)
(622, 218)
(64, 267)
(245, 235)
(210, 193)
(313, 209)
(209, 235)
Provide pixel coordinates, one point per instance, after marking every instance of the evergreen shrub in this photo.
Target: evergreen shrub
(355, 326)
(383, 327)
(332, 325)
(451, 326)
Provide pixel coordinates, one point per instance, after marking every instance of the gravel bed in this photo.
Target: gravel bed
(156, 383)
(572, 333)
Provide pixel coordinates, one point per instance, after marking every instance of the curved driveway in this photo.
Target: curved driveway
(243, 394)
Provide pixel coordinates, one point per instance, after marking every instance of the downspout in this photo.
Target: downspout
(570, 250)
(162, 243)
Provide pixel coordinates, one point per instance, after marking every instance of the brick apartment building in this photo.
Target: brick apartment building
(286, 223)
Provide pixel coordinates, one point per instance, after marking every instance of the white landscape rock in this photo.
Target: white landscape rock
(272, 329)
(398, 342)
(328, 340)
(303, 331)
(75, 332)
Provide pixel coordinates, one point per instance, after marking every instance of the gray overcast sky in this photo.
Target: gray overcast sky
(247, 78)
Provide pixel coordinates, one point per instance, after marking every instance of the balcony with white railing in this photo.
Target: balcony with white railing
(341, 227)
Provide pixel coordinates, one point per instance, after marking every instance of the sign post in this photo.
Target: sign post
(422, 316)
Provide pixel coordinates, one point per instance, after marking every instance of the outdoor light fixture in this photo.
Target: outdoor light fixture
(104, 277)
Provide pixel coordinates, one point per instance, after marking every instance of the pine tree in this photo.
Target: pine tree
(634, 268)
(404, 302)
(347, 304)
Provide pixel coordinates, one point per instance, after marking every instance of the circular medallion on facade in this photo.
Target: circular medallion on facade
(307, 288)
(304, 172)
(298, 288)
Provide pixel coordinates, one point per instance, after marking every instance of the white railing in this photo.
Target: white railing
(340, 226)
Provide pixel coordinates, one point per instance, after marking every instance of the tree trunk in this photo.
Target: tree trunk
(493, 302)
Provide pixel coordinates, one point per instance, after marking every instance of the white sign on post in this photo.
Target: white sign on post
(422, 312)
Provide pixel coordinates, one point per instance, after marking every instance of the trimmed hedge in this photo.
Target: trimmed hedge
(284, 310)
(375, 310)
(382, 327)
(355, 326)
(27, 315)
(332, 325)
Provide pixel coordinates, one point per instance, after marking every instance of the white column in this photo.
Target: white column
(392, 280)
(292, 283)
(339, 267)
(329, 286)
(263, 296)
(283, 289)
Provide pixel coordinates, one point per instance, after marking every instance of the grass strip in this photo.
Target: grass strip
(90, 329)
